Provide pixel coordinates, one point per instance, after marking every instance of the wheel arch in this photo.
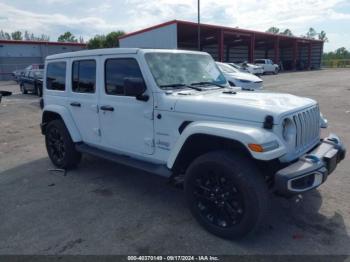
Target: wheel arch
(200, 137)
(55, 112)
(199, 143)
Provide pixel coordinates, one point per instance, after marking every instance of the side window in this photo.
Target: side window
(84, 76)
(56, 76)
(118, 71)
(31, 75)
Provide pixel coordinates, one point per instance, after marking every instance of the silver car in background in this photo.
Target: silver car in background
(240, 79)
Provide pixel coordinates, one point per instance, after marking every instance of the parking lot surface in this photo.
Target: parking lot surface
(105, 208)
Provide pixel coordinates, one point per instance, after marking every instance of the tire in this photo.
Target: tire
(39, 92)
(226, 194)
(275, 72)
(60, 147)
(23, 89)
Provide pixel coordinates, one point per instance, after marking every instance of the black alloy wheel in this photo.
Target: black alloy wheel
(218, 199)
(56, 145)
(226, 193)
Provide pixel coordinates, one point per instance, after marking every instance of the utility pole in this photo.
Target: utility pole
(199, 27)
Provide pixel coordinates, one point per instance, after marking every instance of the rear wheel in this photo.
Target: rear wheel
(60, 146)
(226, 194)
(23, 89)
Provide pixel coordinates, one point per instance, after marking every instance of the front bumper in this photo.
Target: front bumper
(312, 169)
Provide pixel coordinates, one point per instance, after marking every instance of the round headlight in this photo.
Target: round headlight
(288, 131)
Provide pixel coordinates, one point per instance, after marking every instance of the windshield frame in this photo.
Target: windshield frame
(185, 85)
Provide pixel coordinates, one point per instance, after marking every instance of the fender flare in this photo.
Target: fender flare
(241, 133)
(67, 119)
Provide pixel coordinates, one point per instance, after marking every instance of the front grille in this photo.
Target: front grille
(307, 124)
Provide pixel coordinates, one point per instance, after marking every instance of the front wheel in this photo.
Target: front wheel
(226, 194)
(59, 145)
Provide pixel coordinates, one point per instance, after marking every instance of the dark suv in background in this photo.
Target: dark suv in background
(32, 81)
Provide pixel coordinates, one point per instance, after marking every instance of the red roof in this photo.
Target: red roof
(29, 42)
(232, 29)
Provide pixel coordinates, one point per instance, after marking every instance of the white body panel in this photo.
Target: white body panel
(256, 70)
(149, 130)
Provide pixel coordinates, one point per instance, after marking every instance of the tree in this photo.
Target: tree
(7, 36)
(2, 35)
(342, 52)
(105, 41)
(322, 36)
(311, 33)
(97, 41)
(273, 30)
(17, 35)
(287, 32)
(112, 39)
(67, 37)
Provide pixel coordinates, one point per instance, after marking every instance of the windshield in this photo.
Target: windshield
(183, 68)
(227, 68)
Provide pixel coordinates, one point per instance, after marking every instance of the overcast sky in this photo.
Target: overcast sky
(87, 18)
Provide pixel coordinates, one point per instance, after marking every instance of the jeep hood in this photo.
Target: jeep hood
(244, 105)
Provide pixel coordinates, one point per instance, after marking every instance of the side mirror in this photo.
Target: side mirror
(135, 87)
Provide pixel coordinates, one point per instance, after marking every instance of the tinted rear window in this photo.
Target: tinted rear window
(84, 76)
(56, 76)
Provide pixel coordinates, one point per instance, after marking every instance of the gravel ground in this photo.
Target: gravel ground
(105, 208)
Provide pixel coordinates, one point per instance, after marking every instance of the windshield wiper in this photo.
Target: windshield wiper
(182, 85)
(207, 83)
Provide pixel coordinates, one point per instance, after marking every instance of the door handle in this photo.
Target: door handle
(107, 108)
(76, 104)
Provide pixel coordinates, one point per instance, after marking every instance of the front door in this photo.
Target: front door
(83, 99)
(126, 122)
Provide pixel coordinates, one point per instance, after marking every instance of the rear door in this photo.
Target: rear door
(83, 98)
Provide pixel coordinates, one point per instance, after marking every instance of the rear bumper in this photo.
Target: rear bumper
(312, 169)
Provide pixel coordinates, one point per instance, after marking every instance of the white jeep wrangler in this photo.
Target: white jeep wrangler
(173, 113)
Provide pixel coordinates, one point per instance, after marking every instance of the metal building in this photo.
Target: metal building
(19, 54)
(228, 44)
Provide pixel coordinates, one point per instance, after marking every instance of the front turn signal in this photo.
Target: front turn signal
(256, 148)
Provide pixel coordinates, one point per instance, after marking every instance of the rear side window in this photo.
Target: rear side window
(84, 76)
(117, 71)
(56, 76)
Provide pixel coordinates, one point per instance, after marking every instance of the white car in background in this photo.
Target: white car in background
(240, 79)
(253, 69)
(267, 65)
